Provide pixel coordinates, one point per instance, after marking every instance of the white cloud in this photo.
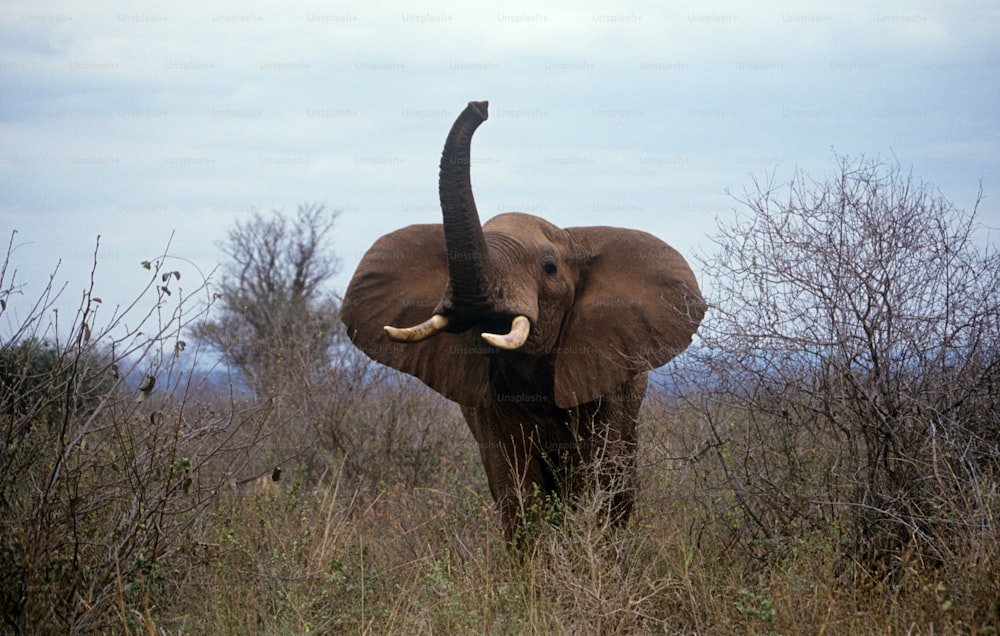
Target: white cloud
(131, 122)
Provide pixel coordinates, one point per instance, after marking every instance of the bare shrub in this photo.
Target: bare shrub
(329, 405)
(105, 462)
(274, 321)
(846, 380)
(374, 424)
(604, 579)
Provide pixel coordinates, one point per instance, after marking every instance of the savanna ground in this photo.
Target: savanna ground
(427, 559)
(825, 461)
(359, 506)
(406, 543)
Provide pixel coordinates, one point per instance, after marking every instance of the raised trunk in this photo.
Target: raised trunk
(468, 259)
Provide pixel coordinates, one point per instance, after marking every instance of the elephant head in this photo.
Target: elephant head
(574, 312)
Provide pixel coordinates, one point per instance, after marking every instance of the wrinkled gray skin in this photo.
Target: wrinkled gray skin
(605, 305)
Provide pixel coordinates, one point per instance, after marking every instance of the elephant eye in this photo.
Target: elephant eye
(550, 268)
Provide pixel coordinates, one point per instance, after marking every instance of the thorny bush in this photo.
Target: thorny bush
(847, 380)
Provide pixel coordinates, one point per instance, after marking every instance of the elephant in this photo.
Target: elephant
(544, 336)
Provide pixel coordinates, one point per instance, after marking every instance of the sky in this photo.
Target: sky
(142, 122)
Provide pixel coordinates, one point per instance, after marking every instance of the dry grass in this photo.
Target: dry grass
(165, 515)
(278, 559)
(337, 554)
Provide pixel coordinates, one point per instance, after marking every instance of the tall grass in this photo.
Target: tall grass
(340, 559)
(358, 505)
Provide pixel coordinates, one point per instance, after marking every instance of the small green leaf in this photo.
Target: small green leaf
(147, 265)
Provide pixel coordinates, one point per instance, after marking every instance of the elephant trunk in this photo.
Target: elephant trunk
(468, 259)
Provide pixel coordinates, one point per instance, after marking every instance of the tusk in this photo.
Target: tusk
(515, 339)
(423, 331)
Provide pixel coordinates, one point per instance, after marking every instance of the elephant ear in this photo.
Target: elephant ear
(637, 306)
(399, 282)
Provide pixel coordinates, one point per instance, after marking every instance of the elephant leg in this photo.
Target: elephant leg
(605, 470)
(621, 480)
(622, 468)
(617, 469)
(608, 457)
(520, 483)
(519, 479)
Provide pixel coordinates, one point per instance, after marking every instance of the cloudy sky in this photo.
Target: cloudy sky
(135, 123)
